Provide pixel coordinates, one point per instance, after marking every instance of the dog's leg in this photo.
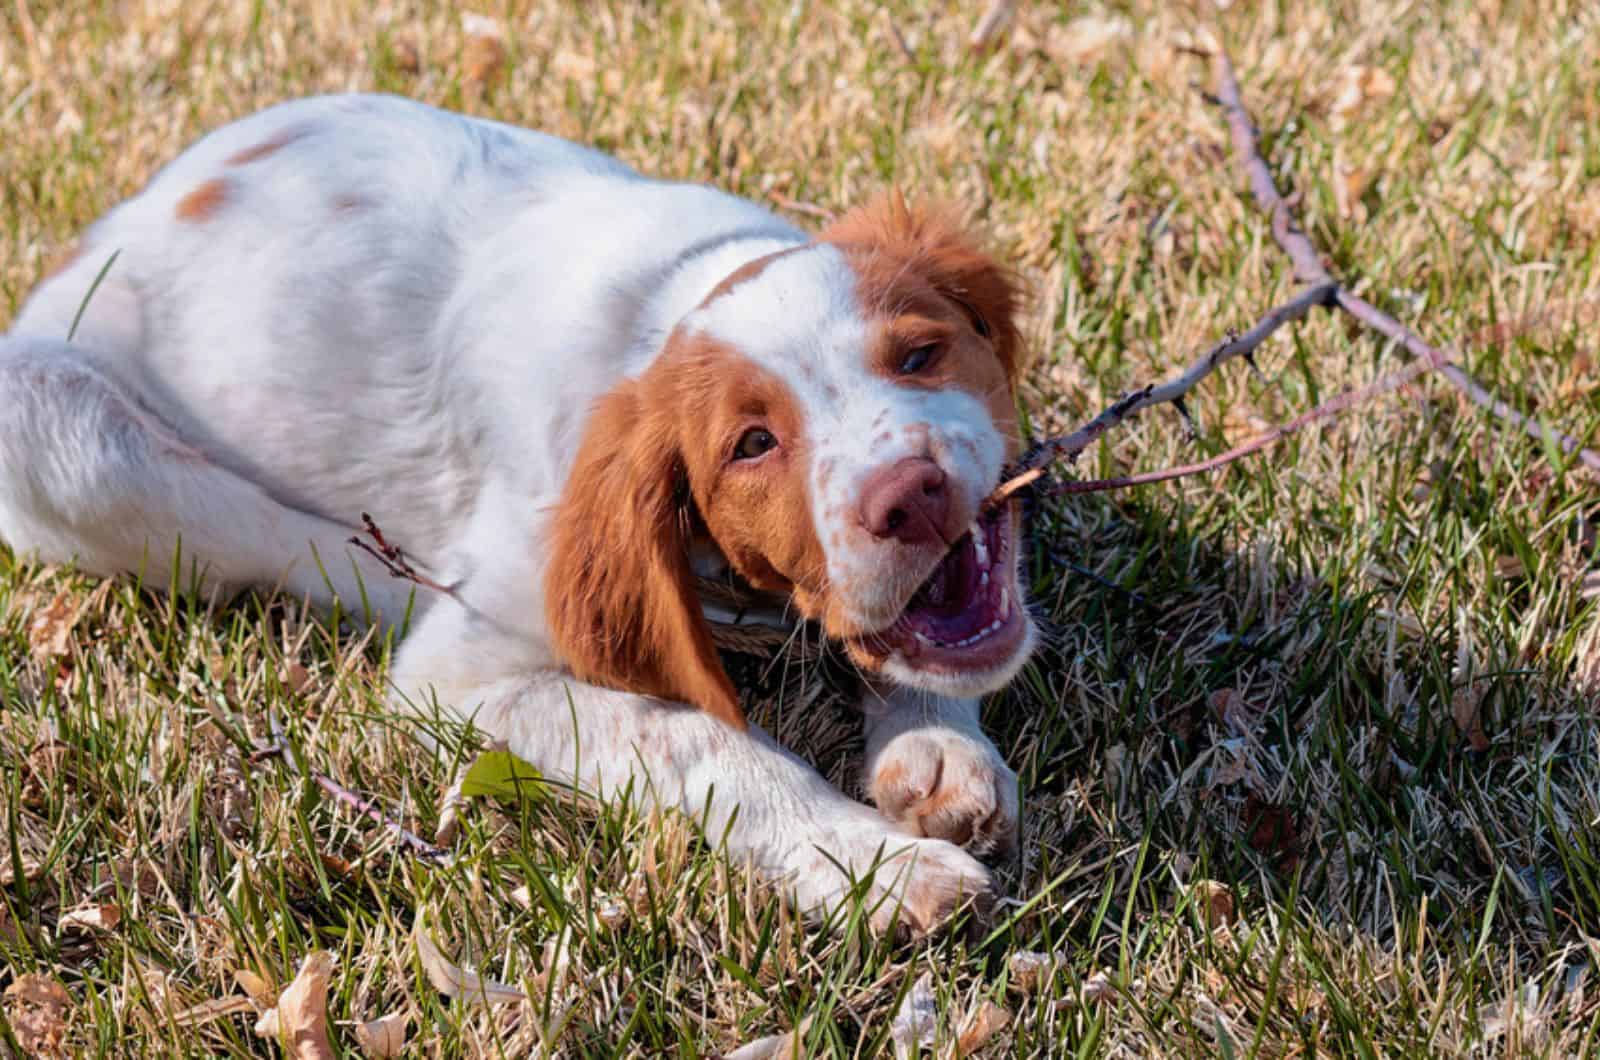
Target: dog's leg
(774, 810)
(88, 473)
(932, 770)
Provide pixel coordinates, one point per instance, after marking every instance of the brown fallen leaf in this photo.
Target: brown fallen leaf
(775, 1047)
(101, 917)
(384, 1036)
(484, 53)
(407, 56)
(1466, 710)
(39, 990)
(1028, 971)
(301, 1017)
(31, 869)
(981, 1024)
(261, 992)
(1358, 84)
(1272, 831)
(37, 1008)
(50, 630)
(454, 981)
(1215, 901)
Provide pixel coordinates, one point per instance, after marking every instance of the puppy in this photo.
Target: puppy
(555, 380)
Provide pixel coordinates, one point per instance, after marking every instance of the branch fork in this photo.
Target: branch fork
(1321, 290)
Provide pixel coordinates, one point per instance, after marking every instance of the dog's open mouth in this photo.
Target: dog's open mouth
(966, 616)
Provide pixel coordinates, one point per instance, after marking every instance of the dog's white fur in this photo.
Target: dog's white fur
(393, 309)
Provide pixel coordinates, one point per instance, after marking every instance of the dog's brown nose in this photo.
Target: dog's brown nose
(906, 501)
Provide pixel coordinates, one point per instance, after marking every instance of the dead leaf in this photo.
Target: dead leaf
(1029, 970)
(1098, 989)
(301, 1018)
(454, 981)
(917, 1019)
(1272, 831)
(1357, 85)
(50, 630)
(261, 992)
(32, 869)
(982, 1023)
(1086, 41)
(1509, 567)
(450, 806)
(103, 917)
(39, 990)
(294, 676)
(483, 55)
(1590, 587)
(1215, 901)
(407, 57)
(612, 913)
(776, 1046)
(384, 1036)
(37, 1008)
(1466, 708)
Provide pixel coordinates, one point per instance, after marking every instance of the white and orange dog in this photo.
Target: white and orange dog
(561, 383)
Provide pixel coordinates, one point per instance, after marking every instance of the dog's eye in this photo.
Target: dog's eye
(753, 443)
(918, 359)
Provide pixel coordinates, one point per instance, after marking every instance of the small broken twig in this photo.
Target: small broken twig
(278, 748)
(394, 559)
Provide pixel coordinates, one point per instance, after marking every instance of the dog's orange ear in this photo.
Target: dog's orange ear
(931, 239)
(619, 594)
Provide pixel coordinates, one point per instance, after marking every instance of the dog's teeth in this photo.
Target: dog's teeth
(983, 580)
(1005, 602)
(980, 546)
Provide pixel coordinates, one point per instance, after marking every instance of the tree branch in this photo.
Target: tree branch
(1308, 268)
(1325, 411)
(1321, 289)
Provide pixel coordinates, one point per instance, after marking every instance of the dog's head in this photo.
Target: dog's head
(831, 416)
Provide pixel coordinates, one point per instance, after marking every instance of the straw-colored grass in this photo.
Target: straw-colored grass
(1356, 684)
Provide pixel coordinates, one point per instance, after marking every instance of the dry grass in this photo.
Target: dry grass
(1357, 684)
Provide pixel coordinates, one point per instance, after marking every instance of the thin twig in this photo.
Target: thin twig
(394, 558)
(1308, 268)
(899, 38)
(1067, 447)
(279, 748)
(1325, 411)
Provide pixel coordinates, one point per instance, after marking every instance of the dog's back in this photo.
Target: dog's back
(364, 303)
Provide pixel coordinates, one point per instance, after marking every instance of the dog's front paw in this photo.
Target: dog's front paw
(904, 883)
(947, 784)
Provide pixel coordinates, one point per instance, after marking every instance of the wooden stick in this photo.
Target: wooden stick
(1321, 290)
(1325, 411)
(1067, 447)
(1308, 268)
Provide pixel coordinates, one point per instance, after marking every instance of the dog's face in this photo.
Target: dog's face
(831, 416)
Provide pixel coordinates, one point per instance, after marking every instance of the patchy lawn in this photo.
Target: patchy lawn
(1352, 681)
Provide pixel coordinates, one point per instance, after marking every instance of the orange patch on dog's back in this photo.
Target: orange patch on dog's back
(266, 147)
(203, 202)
